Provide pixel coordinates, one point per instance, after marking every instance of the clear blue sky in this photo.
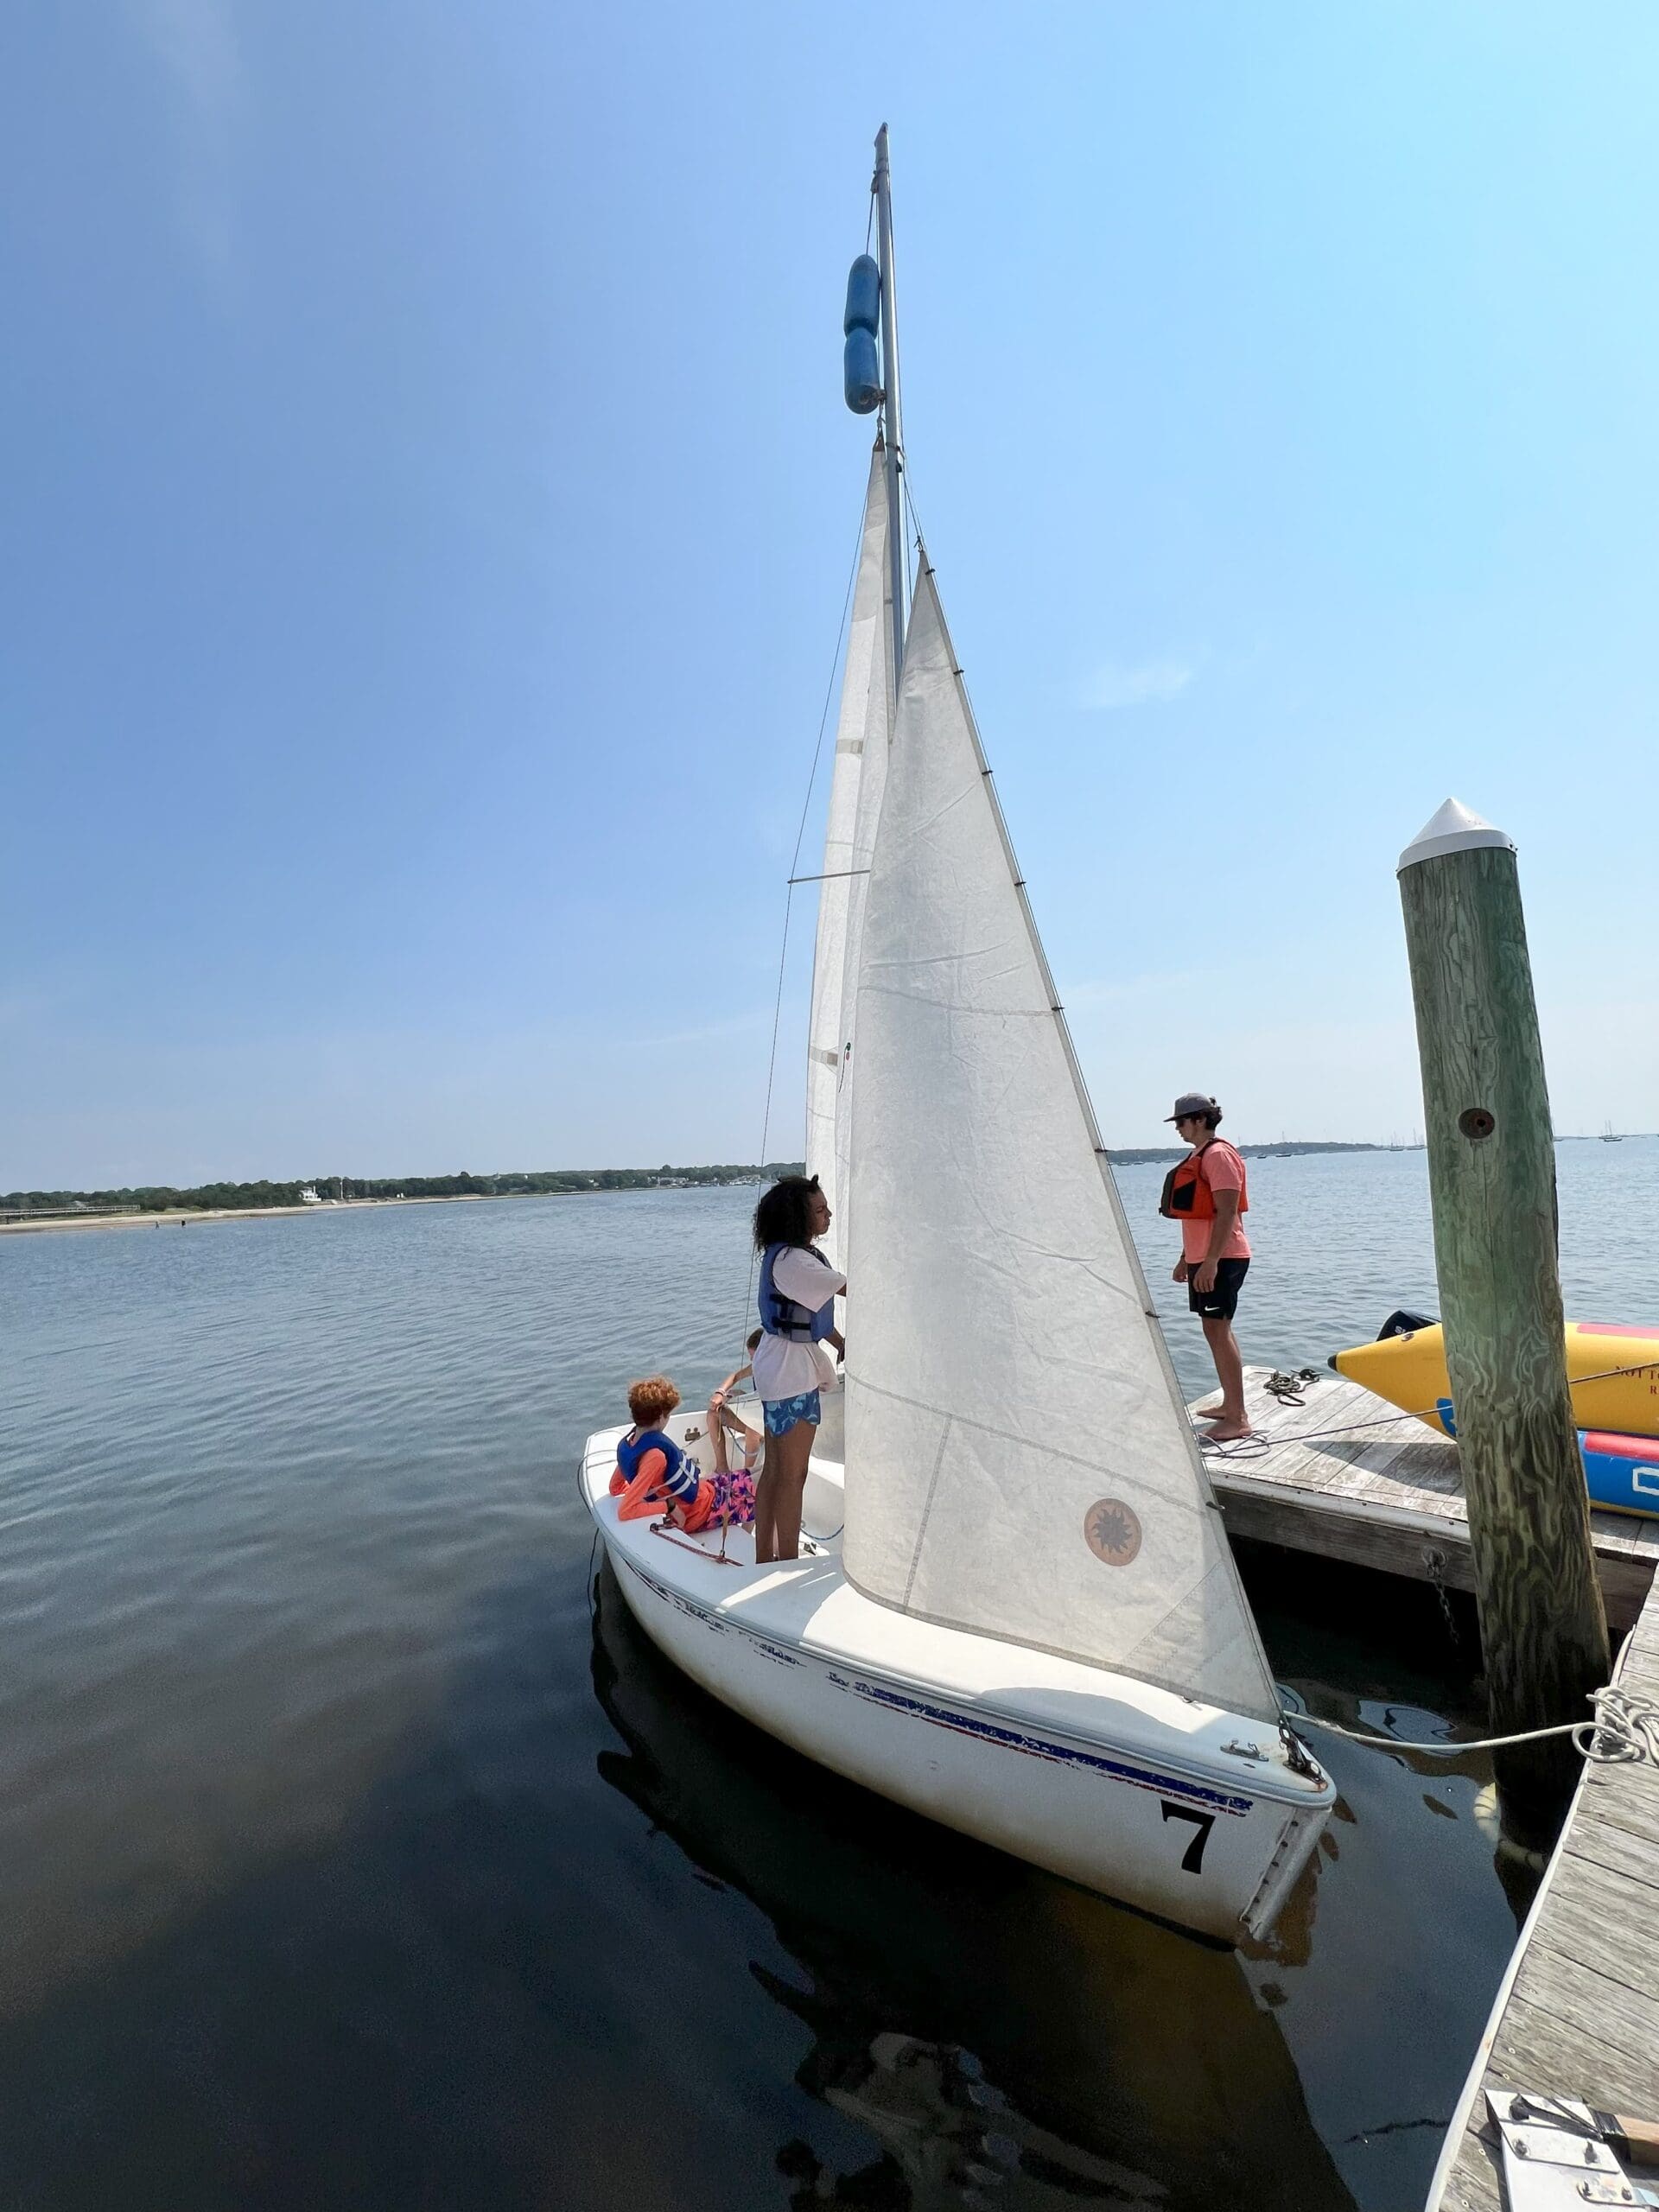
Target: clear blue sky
(428, 502)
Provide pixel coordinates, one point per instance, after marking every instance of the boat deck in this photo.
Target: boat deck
(1578, 2014)
(1347, 1476)
(808, 1605)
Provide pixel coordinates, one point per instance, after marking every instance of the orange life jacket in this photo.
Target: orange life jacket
(1187, 1195)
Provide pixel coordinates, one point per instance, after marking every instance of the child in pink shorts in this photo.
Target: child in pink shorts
(734, 1485)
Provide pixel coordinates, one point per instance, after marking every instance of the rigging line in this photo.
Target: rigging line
(794, 863)
(925, 567)
(771, 1063)
(829, 693)
(910, 501)
(869, 220)
(908, 497)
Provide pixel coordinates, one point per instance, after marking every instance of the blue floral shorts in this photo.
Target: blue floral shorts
(782, 1413)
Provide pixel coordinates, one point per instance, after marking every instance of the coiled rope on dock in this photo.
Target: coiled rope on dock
(1622, 1731)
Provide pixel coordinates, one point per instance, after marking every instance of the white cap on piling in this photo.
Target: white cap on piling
(1453, 829)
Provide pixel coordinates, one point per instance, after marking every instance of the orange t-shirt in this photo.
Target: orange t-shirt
(1223, 1170)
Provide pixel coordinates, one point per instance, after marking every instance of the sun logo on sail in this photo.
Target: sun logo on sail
(1112, 1531)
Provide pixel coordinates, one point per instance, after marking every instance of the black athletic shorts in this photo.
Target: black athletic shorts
(1221, 1303)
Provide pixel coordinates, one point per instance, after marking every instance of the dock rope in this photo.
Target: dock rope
(1624, 1732)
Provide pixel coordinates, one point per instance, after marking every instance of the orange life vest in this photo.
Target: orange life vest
(1187, 1195)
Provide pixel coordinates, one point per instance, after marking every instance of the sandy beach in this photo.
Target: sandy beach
(185, 1216)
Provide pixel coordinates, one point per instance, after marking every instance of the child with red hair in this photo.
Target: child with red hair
(654, 1475)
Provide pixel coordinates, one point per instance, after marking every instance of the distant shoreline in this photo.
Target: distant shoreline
(685, 1178)
(171, 1216)
(1124, 1156)
(1285, 1148)
(266, 1200)
(78, 1221)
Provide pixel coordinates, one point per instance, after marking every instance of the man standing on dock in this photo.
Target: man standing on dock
(1206, 1193)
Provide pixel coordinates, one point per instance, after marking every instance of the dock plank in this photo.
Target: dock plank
(1528, 2046)
(1608, 1844)
(1475, 2189)
(1596, 1920)
(1598, 2021)
(1636, 1812)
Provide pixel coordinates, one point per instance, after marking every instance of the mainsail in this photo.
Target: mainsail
(872, 783)
(849, 831)
(1018, 1460)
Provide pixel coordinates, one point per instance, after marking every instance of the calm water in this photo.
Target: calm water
(356, 1850)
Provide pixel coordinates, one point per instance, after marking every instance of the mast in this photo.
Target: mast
(896, 564)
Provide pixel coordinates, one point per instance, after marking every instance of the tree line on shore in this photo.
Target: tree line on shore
(235, 1198)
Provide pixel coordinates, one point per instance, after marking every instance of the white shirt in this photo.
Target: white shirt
(782, 1369)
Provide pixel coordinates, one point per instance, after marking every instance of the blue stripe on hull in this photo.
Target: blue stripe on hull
(1001, 1733)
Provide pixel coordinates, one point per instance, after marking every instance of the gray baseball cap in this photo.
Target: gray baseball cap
(1193, 1102)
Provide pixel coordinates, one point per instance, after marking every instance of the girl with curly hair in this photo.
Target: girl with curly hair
(798, 1288)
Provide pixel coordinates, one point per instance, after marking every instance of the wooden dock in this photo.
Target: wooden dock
(1348, 1477)
(1577, 2015)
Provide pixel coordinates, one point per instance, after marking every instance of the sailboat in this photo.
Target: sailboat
(1017, 1611)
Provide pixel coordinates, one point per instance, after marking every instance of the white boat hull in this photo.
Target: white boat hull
(1110, 1783)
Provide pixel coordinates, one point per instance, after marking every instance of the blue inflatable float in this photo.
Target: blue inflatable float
(1622, 1471)
(861, 362)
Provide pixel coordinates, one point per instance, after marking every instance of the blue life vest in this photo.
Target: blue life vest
(782, 1316)
(681, 1476)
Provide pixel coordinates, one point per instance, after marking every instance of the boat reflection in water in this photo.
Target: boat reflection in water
(1002, 2036)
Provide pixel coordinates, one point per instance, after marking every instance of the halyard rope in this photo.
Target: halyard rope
(794, 864)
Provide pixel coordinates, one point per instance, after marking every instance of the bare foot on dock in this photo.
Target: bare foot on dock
(1229, 1432)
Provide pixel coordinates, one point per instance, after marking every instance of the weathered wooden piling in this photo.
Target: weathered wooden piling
(1492, 1168)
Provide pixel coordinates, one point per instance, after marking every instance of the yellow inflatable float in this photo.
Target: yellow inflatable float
(1612, 1370)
